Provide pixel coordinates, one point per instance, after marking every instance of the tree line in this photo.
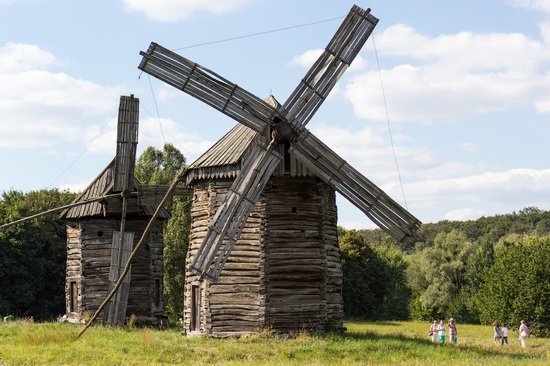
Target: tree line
(478, 271)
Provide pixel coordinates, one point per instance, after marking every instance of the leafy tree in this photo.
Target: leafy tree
(442, 269)
(33, 255)
(374, 284)
(463, 306)
(395, 301)
(160, 167)
(359, 276)
(517, 286)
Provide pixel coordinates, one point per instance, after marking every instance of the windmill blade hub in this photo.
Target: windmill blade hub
(284, 131)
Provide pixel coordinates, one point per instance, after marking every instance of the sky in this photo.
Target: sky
(446, 107)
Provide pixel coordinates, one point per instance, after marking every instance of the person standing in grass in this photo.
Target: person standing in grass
(434, 332)
(441, 330)
(523, 333)
(496, 333)
(452, 331)
(504, 335)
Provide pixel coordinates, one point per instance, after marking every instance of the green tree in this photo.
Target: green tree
(359, 277)
(442, 269)
(374, 285)
(396, 297)
(517, 286)
(33, 255)
(161, 167)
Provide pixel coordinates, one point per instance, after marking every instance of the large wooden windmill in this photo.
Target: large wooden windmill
(273, 145)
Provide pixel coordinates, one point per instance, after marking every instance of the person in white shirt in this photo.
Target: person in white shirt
(434, 331)
(504, 335)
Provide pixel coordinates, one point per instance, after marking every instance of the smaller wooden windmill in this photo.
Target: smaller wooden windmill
(101, 235)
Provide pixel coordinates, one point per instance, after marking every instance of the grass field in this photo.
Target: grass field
(384, 343)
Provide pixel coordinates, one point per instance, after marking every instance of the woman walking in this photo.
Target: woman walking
(523, 333)
(496, 333)
(434, 332)
(452, 331)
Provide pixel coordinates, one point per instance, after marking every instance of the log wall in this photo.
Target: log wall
(284, 272)
(89, 243)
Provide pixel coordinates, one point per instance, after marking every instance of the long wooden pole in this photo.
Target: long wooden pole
(132, 255)
(59, 209)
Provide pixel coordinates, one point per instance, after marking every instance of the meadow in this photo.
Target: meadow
(380, 343)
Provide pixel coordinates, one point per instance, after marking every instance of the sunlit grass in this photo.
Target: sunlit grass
(383, 343)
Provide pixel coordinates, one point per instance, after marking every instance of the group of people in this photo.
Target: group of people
(437, 331)
(500, 334)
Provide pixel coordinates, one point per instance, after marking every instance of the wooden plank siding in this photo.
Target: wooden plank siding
(89, 246)
(284, 272)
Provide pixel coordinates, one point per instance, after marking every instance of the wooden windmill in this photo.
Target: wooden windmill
(290, 145)
(102, 234)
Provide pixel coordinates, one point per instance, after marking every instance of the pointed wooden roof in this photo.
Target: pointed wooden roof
(223, 159)
(103, 185)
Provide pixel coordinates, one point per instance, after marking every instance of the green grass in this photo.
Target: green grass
(383, 343)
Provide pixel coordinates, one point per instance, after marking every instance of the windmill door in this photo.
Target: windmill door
(115, 312)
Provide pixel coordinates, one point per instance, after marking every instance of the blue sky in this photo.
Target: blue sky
(464, 88)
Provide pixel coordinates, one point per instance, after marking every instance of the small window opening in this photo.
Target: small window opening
(157, 293)
(294, 209)
(73, 297)
(195, 308)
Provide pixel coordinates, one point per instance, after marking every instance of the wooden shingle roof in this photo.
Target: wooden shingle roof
(223, 159)
(103, 185)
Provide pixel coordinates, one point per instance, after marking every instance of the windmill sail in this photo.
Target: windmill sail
(325, 72)
(127, 139)
(231, 217)
(359, 190)
(207, 86)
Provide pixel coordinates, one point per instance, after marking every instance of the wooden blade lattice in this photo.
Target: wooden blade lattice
(208, 87)
(232, 215)
(323, 75)
(127, 140)
(359, 190)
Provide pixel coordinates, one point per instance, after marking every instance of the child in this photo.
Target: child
(504, 334)
(441, 330)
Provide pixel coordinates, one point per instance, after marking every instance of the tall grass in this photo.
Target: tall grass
(383, 343)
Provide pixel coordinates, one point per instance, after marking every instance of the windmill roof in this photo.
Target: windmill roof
(223, 159)
(103, 185)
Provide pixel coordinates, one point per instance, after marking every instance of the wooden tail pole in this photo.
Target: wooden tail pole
(138, 245)
(58, 209)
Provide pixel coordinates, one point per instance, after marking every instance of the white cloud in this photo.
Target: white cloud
(176, 10)
(543, 5)
(17, 57)
(521, 186)
(449, 77)
(40, 108)
(468, 147)
(464, 214)
(155, 132)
